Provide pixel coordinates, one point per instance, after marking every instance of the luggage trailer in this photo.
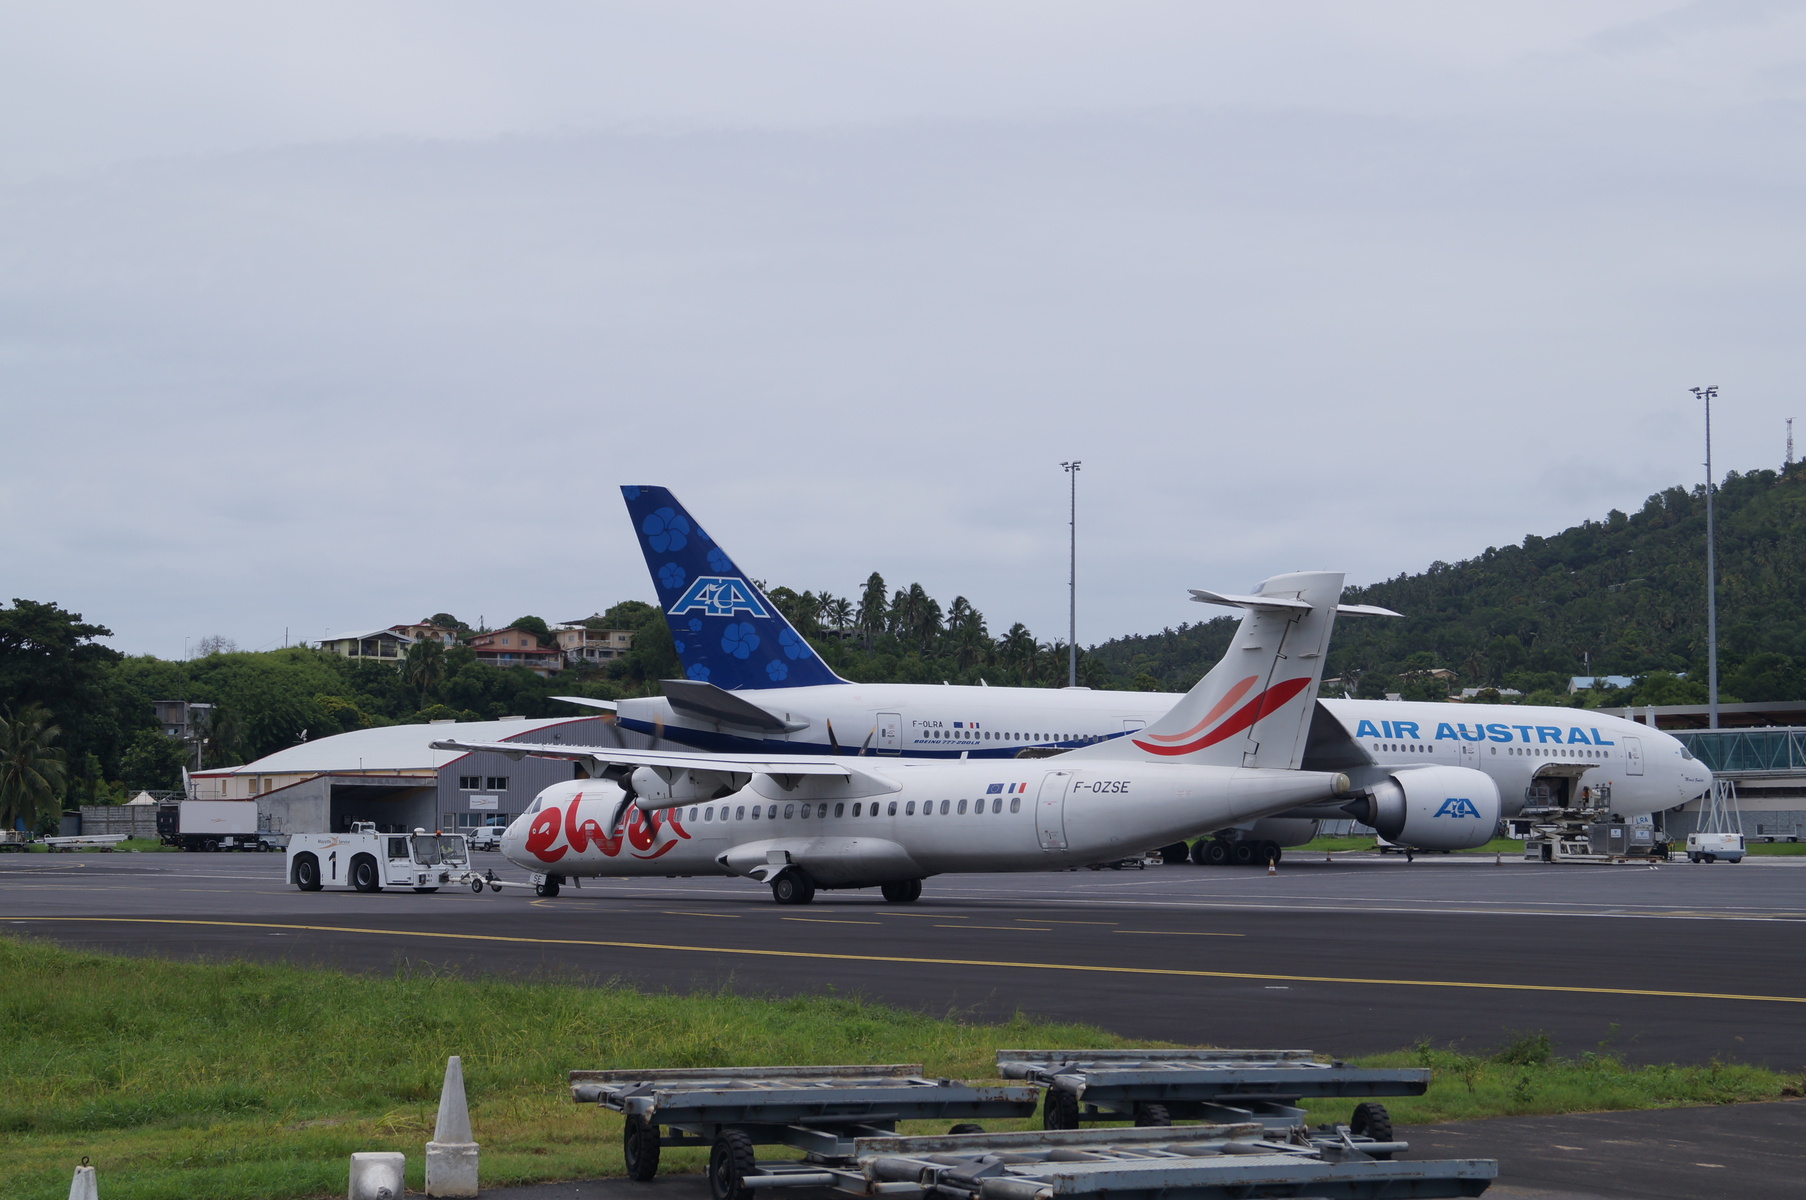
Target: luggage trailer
(1157, 1087)
(844, 1118)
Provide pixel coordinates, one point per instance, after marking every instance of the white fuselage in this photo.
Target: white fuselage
(1647, 770)
(903, 819)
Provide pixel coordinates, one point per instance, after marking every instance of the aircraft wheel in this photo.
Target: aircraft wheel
(730, 1162)
(363, 874)
(307, 873)
(1271, 852)
(639, 1147)
(1242, 854)
(1371, 1120)
(792, 887)
(1059, 1110)
(1152, 1116)
(1174, 854)
(907, 891)
(1216, 852)
(1198, 850)
(550, 887)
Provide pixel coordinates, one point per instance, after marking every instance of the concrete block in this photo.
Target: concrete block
(84, 1186)
(377, 1174)
(451, 1168)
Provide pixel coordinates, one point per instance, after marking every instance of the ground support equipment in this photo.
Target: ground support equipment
(1200, 1162)
(1158, 1087)
(843, 1120)
(818, 1110)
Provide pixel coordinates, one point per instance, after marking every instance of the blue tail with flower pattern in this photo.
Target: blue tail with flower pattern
(727, 632)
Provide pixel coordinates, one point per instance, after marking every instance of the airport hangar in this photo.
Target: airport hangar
(393, 776)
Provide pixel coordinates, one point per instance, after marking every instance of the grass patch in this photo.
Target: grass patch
(199, 1080)
(1777, 849)
(1525, 1078)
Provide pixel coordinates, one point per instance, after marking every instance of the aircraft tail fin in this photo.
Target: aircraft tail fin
(726, 631)
(1253, 709)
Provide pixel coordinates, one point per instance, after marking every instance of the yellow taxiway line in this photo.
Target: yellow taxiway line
(827, 956)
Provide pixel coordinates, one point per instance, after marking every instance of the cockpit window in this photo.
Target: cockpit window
(534, 807)
(1686, 754)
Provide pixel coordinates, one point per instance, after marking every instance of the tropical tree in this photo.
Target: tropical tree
(1018, 649)
(873, 610)
(971, 641)
(33, 773)
(424, 666)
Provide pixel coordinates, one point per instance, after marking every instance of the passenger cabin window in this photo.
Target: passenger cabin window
(1015, 803)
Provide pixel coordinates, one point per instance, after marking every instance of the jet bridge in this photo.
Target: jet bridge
(844, 1120)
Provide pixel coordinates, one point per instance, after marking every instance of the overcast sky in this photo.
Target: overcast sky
(331, 316)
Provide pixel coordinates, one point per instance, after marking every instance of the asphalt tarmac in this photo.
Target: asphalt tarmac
(1683, 963)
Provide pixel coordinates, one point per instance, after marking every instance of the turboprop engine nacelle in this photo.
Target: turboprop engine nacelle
(1435, 808)
(652, 790)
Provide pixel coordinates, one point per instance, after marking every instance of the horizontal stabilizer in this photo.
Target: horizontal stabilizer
(1231, 600)
(723, 707)
(585, 701)
(1280, 603)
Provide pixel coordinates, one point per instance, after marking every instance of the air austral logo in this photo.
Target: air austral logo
(1189, 742)
(720, 596)
(1456, 806)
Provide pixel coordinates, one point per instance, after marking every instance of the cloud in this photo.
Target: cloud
(265, 380)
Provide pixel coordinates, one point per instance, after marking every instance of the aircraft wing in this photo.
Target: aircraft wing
(585, 701)
(731, 764)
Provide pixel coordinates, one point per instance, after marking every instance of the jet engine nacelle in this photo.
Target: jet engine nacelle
(1433, 808)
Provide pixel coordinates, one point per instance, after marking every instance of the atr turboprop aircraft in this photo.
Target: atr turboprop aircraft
(754, 686)
(1230, 751)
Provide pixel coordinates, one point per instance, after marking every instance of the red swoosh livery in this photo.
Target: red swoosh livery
(1269, 701)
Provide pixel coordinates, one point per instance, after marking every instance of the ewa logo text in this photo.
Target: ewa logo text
(1453, 807)
(720, 596)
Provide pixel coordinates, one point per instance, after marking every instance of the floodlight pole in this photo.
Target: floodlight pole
(1072, 576)
(1706, 394)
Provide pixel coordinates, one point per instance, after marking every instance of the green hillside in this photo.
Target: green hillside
(1626, 590)
(1624, 595)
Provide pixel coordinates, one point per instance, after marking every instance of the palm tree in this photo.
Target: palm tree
(1019, 650)
(872, 608)
(838, 612)
(33, 774)
(424, 666)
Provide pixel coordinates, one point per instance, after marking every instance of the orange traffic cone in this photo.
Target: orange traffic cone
(1272, 867)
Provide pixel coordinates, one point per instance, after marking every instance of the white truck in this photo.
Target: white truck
(369, 861)
(1710, 847)
(214, 825)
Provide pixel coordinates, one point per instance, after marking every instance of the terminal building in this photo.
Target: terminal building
(393, 776)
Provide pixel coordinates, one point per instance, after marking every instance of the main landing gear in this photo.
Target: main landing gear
(1217, 852)
(793, 887)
